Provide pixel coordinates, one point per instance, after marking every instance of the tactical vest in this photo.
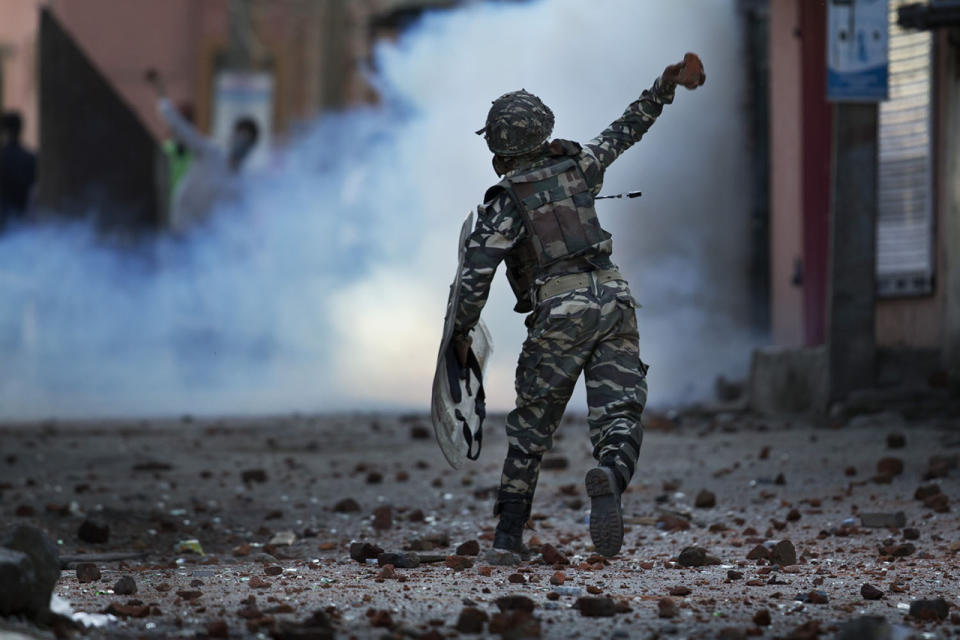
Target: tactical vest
(556, 205)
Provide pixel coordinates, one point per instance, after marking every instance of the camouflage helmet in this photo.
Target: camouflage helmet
(518, 122)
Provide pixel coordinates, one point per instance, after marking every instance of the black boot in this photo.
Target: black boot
(509, 533)
(606, 515)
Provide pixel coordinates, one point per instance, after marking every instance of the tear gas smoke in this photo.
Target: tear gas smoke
(324, 287)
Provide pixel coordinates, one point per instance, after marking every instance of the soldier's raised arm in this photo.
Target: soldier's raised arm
(629, 128)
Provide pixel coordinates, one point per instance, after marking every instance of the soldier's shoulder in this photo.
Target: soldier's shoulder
(496, 199)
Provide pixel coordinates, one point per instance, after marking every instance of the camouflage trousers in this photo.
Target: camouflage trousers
(593, 331)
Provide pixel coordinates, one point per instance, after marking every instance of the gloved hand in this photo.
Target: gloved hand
(461, 346)
(688, 73)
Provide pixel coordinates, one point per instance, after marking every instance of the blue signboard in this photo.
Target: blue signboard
(857, 50)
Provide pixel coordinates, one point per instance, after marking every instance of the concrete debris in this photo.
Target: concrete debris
(253, 475)
(667, 608)
(125, 586)
(405, 560)
(471, 620)
(929, 609)
(705, 500)
(695, 557)
(469, 548)
(783, 554)
(87, 572)
(883, 520)
(502, 558)
(363, 551)
(93, 532)
(870, 592)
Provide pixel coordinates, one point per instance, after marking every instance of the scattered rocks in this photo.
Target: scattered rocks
(759, 552)
(870, 592)
(458, 563)
(890, 466)
(127, 610)
(380, 618)
(705, 500)
(516, 624)
(552, 556)
(598, 607)
(125, 586)
(399, 560)
(469, 548)
(670, 522)
(420, 432)
(555, 463)
(471, 620)
(502, 558)
(929, 609)
(93, 532)
(883, 520)
(431, 542)
(695, 557)
(667, 608)
(514, 603)
(347, 505)
(911, 534)
(940, 466)
(783, 554)
(383, 518)
(387, 572)
(898, 550)
(253, 475)
(680, 591)
(926, 491)
(516, 578)
(192, 594)
(866, 628)
(813, 597)
(87, 572)
(29, 570)
(363, 551)
(896, 441)
(17, 578)
(939, 503)
(762, 618)
(218, 629)
(558, 578)
(734, 575)
(272, 570)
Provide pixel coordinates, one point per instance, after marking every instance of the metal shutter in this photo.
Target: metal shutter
(905, 224)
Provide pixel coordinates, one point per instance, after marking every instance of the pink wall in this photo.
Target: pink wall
(785, 177)
(125, 38)
(18, 39)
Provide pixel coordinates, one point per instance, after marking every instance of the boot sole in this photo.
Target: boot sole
(606, 518)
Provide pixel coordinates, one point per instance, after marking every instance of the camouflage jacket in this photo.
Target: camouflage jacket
(500, 229)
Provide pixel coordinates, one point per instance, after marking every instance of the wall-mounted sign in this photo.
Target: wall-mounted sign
(239, 94)
(857, 50)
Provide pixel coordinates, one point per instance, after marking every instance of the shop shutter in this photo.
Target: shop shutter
(905, 223)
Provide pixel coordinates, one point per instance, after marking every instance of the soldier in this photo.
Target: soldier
(540, 219)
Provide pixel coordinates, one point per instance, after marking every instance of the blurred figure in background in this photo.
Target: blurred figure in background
(179, 157)
(212, 173)
(18, 170)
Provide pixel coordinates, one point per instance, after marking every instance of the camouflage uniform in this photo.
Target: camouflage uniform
(591, 329)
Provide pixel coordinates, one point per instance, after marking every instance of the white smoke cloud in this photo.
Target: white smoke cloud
(324, 289)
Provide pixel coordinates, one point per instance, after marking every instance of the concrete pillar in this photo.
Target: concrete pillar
(851, 345)
(951, 202)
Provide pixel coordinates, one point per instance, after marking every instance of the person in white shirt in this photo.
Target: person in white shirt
(212, 174)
